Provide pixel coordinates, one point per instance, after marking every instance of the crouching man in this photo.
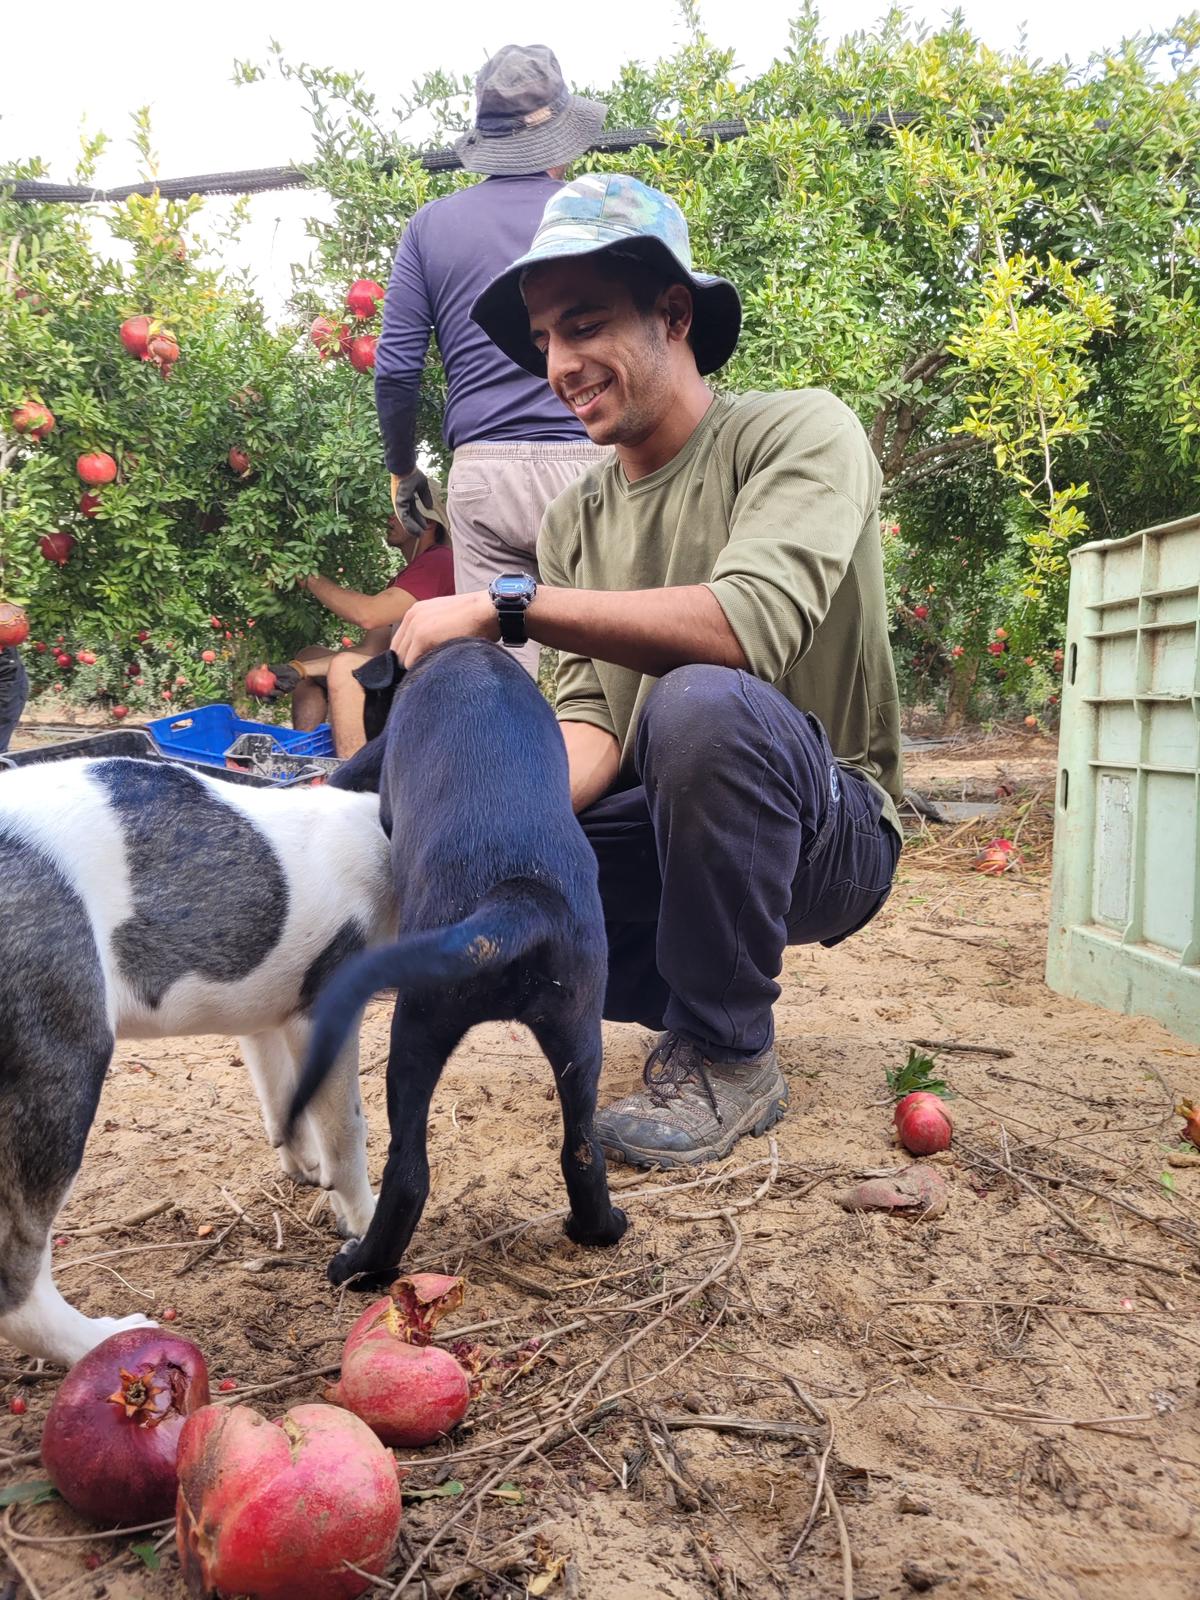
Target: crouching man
(726, 689)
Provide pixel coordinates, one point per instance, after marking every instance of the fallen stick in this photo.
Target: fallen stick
(964, 1049)
(117, 1224)
(762, 1427)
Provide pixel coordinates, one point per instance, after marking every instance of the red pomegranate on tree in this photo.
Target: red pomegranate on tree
(363, 297)
(96, 467)
(14, 625)
(362, 352)
(89, 504)
(57, 547)
(239, 461)
(136, 333)
(34, 419)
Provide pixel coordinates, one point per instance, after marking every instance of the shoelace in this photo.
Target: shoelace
(670, 1065)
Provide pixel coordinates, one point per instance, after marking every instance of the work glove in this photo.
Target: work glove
(412, 500)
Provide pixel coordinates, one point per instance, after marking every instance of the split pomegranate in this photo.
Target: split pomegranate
(407, 1390)
(1000, 856)
(136, 333)
(260, 681)
(33, 419)
(329, 339)
(113, 1429)
(163, 351)
(14, 625)
(362, 352)
(363, 298)
(923, 1123)
(96, 467)
(239, 461)
(57, 547)
(89, 504)
(277, 1510)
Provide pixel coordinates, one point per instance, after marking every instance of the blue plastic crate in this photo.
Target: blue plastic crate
(207, 732)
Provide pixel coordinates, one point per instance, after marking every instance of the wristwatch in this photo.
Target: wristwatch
(511, 593)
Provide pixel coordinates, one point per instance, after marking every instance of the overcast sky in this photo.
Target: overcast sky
(64, 66)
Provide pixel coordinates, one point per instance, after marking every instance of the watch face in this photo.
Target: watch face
(513, 588)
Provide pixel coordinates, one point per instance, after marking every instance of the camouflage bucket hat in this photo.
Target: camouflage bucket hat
(612, 212)
(526, 119)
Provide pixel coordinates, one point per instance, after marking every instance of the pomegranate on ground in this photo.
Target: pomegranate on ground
(923, 1123)
(284, 1510)
(113, 1429)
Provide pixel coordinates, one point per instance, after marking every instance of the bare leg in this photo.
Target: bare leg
(346, 700)
(310, 703)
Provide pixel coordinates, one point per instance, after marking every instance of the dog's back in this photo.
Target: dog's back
(208, 907)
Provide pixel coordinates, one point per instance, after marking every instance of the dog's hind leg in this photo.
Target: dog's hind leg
(420, 1044)
(337, 1130)
(574, 1048)
(273, 1067)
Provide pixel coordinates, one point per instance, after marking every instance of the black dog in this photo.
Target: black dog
(500, 919)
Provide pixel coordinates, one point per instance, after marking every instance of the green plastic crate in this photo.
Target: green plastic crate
(1125, 912)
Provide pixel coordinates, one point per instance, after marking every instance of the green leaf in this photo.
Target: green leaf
(441, 1491)
(33, 1493)
(916, 1075)
(147, 1555)
(1167, 1179)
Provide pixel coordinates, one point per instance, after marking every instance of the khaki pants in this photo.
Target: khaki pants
(496, 495)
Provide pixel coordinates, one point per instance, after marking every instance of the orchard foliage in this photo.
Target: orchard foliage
(994, 260)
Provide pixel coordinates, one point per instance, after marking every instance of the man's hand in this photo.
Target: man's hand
(453, 616)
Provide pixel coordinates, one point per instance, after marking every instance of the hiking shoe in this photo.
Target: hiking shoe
(692, 1109)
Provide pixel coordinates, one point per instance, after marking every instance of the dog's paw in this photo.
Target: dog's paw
(352, 1221)
(609, 1233)
(345, 1269)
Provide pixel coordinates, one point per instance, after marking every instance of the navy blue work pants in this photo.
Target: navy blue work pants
(14, 691)
(744, 835)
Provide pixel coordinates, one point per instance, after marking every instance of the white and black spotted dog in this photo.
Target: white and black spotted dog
(143, 900)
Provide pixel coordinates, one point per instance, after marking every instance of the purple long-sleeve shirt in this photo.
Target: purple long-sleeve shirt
(450, 252)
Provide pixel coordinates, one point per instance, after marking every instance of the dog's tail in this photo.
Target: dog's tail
(507, 924)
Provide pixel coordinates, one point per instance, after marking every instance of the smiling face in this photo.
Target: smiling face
(617, 365)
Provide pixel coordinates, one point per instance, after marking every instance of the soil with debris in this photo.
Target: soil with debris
(757, 1393)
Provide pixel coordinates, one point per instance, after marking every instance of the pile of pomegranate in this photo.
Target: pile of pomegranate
(282, 1508)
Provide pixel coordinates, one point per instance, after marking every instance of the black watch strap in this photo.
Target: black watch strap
(512, 623)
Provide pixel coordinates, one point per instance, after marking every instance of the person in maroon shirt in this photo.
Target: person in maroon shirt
(321, 680)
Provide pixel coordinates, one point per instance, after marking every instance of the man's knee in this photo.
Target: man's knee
(343, 665)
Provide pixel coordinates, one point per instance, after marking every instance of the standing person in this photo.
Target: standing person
(515, 444)
(726, 690)
(14, 691)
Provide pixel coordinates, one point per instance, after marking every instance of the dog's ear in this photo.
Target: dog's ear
(380, 678)
(361, 773)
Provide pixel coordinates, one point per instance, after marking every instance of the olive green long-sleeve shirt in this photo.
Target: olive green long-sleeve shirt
(773, 504)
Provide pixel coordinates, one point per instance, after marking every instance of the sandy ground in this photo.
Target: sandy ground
(1002, 1402)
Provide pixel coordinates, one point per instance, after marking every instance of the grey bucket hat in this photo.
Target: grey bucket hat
(526, 119)
(612, 212)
